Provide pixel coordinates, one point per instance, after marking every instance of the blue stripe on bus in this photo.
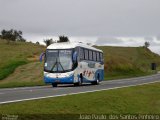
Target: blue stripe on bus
(59, 80)
(101, 74)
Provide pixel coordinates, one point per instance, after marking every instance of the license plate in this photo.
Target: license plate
(57, 80)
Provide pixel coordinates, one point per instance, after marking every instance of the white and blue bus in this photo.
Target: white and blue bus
(73, 63)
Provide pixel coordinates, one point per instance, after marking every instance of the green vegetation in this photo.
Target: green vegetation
(8, 69)
(51, 41)
(122, 62)
(144, 99)
(19, 64)
(12, 35)
(16, 54)
(30, 74)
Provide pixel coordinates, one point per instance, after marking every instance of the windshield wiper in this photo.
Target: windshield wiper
(61, 66)
(54, 65)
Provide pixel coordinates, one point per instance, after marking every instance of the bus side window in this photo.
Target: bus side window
(101, 57)
(86, 54)
(90, 55)
(97, 56)
(94, 55)
(81, 54)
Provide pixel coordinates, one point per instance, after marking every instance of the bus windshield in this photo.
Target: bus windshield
(58, 60)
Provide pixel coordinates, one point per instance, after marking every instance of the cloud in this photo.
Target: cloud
(158, 37)
(108, 41)
(155, 49)
(149, 38)
(155, 43)
(82, 17)
(85, 19)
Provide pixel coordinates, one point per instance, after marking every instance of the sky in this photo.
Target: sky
(102, 22)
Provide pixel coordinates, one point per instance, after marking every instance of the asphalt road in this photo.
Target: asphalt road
(30, 93)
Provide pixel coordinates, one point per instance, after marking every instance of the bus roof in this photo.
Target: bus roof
(68, 45)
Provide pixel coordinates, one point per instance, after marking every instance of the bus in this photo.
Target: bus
(72, 63)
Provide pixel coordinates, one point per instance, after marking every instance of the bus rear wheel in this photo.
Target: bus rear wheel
(97, 81)
(54, 84)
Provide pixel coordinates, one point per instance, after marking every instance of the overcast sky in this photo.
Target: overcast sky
(107, 22)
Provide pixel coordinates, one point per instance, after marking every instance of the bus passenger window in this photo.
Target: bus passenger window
(90, 55)
(86, 54)
(97, 56)
(81, 53)
(101, 57)
(94, 55)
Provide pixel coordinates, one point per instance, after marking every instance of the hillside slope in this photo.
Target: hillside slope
(121, 62)
(21, 59)
(15, 54)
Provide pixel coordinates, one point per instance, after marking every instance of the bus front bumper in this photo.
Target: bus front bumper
(65, 80)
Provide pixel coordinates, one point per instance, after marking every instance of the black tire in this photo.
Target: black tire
(54, 84)
(75, 84)
(80, 81)
(97, 81)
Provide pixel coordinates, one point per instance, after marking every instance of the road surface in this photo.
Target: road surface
(9, 95)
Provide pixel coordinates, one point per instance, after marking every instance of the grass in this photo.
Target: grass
(19, 64)
(15, 60)
(16, 54)
(144, 99)
(8, 69)
(30, 74)
(124, 62)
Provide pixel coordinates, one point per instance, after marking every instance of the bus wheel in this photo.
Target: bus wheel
(97, 81)
(79, 81)
(54, 84)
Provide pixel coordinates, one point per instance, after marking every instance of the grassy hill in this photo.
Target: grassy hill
(19, 64)
(18, 55)
(121, 62)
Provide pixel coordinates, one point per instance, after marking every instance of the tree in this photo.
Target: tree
(12, 35)
(7, 34)
(18, 36)
(48, 41)
(63, 39)
(22, 40)
(146, 44)
(37, 43)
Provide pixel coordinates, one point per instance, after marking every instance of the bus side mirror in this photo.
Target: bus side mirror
(41, 56)
(75, 57)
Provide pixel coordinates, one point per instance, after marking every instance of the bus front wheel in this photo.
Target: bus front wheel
(54, 84)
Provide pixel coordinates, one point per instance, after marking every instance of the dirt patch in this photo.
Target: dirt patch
(31, 72)
(33, 58)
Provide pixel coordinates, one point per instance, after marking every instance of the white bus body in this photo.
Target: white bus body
(73, 63)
